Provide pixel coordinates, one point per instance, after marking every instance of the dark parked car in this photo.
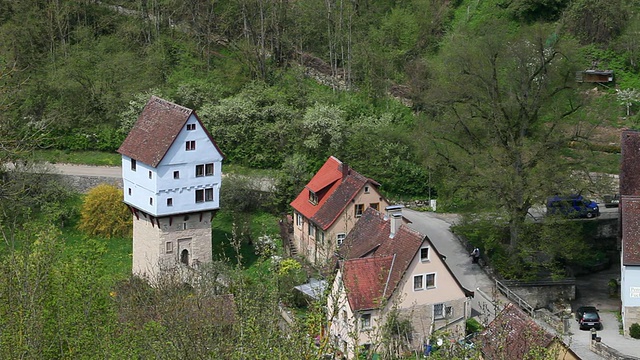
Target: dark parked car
(588, 317)
(611, 200)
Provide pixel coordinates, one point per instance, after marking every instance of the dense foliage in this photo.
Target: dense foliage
(103, 213)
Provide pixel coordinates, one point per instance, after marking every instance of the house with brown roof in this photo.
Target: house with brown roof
(390, 272)
(514, 335)
(172, 172)
(328, 207)
(630, 229)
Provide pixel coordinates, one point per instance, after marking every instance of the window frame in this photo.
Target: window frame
(311, 231)
(191, 127)
(421, 284)
(375, 206)
(359, 207)
(168, 247)
(207, 167)
(199, 196)
(423, 258)
(134, 164)
(299, 220)
(200, 170)
(313, 197)
(169, 202)
(208, 194)
(365, 321)
(176, 174)
(340, 238)
(190, 145)
(426, 281)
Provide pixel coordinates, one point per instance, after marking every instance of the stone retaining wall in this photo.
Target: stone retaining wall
(609, 353)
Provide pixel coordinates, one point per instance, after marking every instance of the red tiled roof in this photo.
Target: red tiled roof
(336, 185)
(512, 335)
(155, 131)
(370, 237)
(366, 280)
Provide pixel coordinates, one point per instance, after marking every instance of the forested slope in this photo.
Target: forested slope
(79, 71)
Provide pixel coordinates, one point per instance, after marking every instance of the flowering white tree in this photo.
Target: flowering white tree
(628, 97)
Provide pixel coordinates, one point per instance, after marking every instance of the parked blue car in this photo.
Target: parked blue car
(572, 206)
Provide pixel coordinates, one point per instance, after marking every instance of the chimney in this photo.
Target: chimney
(345, 170)
(394, 213)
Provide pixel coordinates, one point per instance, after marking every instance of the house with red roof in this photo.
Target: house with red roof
(515, 335)
(390, 272)
(328, 207)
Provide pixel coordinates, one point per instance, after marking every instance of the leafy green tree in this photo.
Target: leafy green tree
(505, 111)
(598, 21)
(104, 214)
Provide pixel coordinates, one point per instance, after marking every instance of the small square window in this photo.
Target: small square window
(199, 170)
(190, 145)
(208, 171)
(208, 194)
(191, 127)
(359, 209)
(375, 206)
(133, 164)
(170, 202)
(176, 174)
(366, 189)
(424, 254)
(200, 195)
(150, 174)
(168, 247)
(312, 229)
(150, 201)
(438, 311)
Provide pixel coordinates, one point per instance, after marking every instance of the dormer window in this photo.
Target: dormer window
(313, 197)
(190, 145)
(133, 164)
(191, 127)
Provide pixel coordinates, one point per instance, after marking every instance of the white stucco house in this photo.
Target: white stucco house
(172, 171)
(387, 268)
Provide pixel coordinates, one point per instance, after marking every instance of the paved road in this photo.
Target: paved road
(486, 301)
(86, 170)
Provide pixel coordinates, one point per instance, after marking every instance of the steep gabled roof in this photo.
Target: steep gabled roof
(336, 185)
(369, 239)
(155, 131)
(513, 334)
(366, 280)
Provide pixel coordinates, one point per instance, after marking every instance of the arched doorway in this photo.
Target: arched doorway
(184, 257)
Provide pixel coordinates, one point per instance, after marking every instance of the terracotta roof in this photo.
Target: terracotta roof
(155, 131)
(369, 238)
(336, 185)
(630, 165)
(512, 335)
(366, 280)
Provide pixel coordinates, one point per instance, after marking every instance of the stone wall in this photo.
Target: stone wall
(607, 352)
(540, 294)
(83, 184)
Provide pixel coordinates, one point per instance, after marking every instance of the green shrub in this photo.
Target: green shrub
(634, 331)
